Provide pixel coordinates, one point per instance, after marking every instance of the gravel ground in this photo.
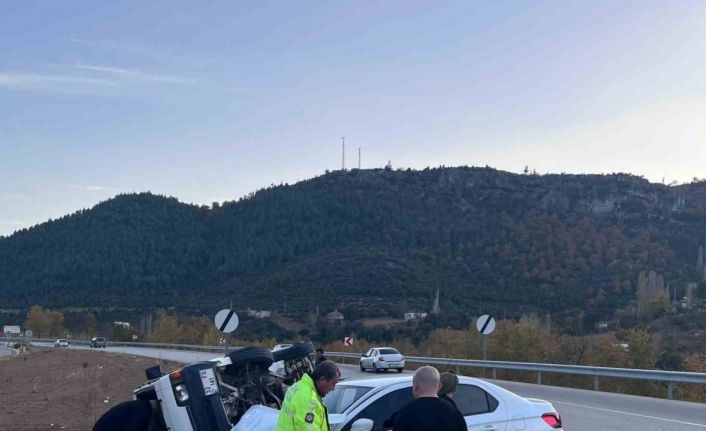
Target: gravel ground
(61, 389)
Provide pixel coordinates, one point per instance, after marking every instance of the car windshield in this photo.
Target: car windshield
(389, 352)
(338, 400)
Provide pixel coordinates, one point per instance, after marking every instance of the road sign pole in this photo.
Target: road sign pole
(226, 321)
(485, 350)
(485, 325)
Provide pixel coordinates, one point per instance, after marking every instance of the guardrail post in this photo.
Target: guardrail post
(495, 374)
(458, 372)
(670, 390)
(539, 377)
(596, 386)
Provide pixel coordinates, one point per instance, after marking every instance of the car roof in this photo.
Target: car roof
(390, 381)
(384, 348)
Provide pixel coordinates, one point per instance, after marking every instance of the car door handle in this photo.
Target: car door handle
(489, 428)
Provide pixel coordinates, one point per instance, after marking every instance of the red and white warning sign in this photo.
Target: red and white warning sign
(348, 341)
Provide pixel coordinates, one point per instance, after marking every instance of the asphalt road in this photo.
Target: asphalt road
(581, 410)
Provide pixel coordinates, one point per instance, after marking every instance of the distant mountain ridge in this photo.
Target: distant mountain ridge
(371, 242)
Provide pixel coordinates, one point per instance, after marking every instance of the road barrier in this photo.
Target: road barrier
(669, 377)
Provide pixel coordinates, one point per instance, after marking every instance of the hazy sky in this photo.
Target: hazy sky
(208, 103)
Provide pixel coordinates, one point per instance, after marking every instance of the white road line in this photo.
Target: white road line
(631, 414)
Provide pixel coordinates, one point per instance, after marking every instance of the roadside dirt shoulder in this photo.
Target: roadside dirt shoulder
(66, 389)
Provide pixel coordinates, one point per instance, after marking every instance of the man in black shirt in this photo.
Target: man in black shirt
(427, 412)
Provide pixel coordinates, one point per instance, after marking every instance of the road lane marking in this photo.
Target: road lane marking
(631, 414)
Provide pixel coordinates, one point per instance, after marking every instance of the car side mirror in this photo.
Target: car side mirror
(362, 425)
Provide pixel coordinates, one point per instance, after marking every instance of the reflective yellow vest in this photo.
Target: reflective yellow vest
(303, 409)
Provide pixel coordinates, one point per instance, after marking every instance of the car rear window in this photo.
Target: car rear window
(472, 400)
(389, 352)
(338, 400)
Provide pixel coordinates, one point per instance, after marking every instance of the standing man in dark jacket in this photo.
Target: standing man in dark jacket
(428, 412)
(319, 357)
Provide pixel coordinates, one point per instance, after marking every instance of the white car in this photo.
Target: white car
(365, 405)
(382, 358)
(61, 342)
(278, 367)
(484, 405)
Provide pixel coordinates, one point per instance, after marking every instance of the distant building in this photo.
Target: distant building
(335, 316)
(258, 314)
(602, 326)
(414, 316)
(125, 325)
(10, 330)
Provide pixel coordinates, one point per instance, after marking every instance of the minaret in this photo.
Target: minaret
(435, 308)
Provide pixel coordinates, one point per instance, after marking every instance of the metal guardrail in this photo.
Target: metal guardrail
(173, 346)
(670, 377)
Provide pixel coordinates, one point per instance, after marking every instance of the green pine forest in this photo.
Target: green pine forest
(374, 243)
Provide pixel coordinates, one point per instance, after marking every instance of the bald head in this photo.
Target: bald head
(425, 382)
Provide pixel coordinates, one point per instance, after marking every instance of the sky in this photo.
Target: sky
(208, 101)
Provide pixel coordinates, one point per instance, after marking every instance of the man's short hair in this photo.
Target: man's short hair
(319, 350)
(326, 369)
(427, 378)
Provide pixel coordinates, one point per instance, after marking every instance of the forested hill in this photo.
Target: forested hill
(373, 241)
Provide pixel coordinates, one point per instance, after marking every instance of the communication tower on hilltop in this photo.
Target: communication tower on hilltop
(343, 154)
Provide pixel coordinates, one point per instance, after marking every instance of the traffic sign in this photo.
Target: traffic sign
(226, 321)
(348, 341)
(485, 324)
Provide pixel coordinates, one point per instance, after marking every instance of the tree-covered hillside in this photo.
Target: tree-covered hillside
(373, 242)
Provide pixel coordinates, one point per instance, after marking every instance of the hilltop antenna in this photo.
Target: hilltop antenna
(343, 154)
(358, 158)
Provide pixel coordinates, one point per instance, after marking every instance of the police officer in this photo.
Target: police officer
(303, 408)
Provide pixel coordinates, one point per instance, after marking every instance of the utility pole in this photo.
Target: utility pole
(343, 155)
(358, 158)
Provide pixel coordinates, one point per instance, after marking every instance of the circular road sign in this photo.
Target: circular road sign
(485, 324)
(226, 321)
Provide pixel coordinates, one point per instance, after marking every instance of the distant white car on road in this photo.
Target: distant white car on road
(382, 358)
(61, 342)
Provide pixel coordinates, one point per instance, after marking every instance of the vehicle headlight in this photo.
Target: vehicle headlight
(181, 393)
